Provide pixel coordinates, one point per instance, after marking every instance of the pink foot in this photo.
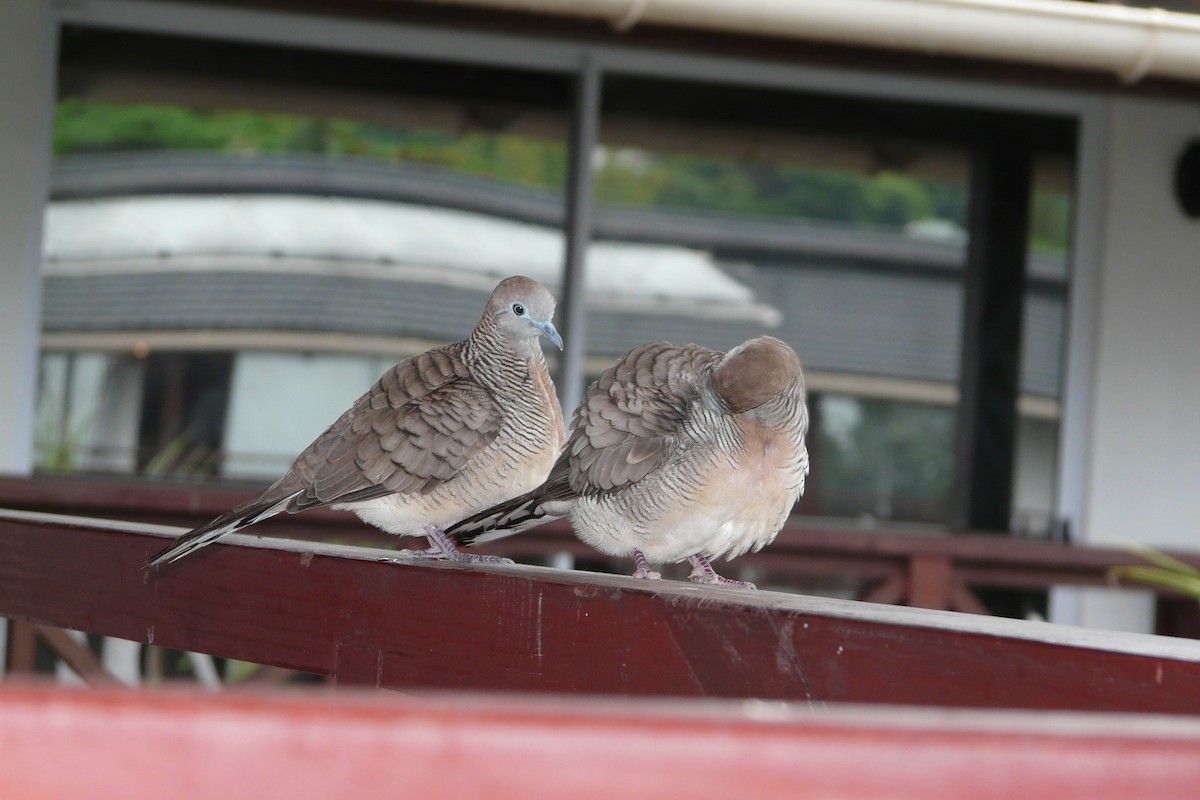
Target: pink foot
(702, 572)
(442, 548)
(643, 567)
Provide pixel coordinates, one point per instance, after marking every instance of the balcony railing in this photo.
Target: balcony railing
(565, 683)
(364, 617)
(877, 564)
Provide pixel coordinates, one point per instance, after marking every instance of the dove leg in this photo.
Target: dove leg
(441, 547)
(702, 572)
(643, 567)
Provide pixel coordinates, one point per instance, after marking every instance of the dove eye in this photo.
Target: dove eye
(518, 309)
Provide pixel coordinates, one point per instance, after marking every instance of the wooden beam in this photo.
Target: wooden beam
(929, 581)
(22, 649)
(963, 599)
(365, 617)
(801, 550)
(891, 590)
(112, 745)
(76, 656)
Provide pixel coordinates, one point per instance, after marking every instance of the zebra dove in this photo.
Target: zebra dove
(439, 437)
(675, 453)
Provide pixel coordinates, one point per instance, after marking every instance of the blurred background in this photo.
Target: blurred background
(233, 253)
(225, 219)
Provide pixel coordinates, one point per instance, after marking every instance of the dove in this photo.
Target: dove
(675, 453)
(441, 436)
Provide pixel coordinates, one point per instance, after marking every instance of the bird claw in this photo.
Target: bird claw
(458, 557)
(702, 572)
(719, 580)
(643, 567)
(442, 548)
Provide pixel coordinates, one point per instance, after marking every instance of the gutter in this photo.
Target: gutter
(1130, 43)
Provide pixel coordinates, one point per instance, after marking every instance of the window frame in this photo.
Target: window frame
(588, 62)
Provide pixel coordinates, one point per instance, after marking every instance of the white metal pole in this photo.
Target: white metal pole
(28, 55)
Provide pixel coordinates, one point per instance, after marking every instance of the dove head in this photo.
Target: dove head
(756, 371)
(522, 309)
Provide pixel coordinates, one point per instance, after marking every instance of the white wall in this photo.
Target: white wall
(1143, 466)
(27, 62)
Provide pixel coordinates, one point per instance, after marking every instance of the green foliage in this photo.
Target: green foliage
(626, 176)
(58, 450)
(81, 126)
(1050, 222)
(1168, 572)
(896, 200)
(949, 201)
(772, 190)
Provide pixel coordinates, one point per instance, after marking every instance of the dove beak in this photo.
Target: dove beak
(550, 332)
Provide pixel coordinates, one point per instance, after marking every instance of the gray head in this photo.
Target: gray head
(756, 371)
(522, 309)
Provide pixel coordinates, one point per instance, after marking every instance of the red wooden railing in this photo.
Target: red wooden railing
(926, 570)
(768, 676)
(364, 618)
(125, 746)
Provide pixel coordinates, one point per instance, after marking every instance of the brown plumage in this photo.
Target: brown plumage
(439, 437)
(675, 453)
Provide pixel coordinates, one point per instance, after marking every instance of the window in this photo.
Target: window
(242, 237)
(726, 213)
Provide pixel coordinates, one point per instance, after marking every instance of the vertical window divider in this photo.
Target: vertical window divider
(993, 304)
(584, 134)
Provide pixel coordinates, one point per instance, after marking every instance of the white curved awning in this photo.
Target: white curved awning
(377, 239)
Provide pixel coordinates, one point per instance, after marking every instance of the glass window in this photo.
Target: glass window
(716, 223)
(882, 459)
(1044, 332)
(241, 239)
(235, 226)
(88, 412)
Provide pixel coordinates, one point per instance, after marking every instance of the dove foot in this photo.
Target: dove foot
(442, 548)
(702, 572)
(643, 567)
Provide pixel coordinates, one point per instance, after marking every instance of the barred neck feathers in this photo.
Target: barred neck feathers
(504, 354)
(499, 357)
(505, 340)
(785, 411)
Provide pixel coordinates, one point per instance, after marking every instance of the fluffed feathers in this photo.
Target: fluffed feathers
(677, 452)
(430, 421)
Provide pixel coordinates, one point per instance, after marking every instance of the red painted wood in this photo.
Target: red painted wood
(104, 745)
(890, 590)
(169, 503)
(929, 581)
(77, 656)
(22, 648)
(963, 599)
(539, 630)
(800, 552)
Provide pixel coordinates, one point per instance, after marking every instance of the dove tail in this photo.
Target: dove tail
(503, 520)
(206, 534)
